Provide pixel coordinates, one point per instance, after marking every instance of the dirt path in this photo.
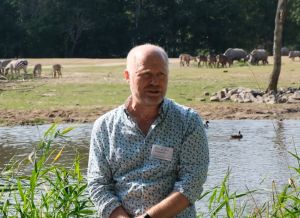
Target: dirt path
(236, 111)
(208, 111)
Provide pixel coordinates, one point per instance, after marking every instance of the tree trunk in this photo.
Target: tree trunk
(138, 5)
(277, 44)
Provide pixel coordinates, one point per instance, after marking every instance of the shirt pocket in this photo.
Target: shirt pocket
(163, 168)
(123, 160)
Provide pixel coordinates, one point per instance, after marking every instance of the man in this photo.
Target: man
(148, 157)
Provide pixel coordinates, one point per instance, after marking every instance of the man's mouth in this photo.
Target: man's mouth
(153, 92)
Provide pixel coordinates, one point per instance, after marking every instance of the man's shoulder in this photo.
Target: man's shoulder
(182, 113)
(110, 115)
(175, 107)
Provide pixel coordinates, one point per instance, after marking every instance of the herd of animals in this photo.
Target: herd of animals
(10, 68)
(233, 54)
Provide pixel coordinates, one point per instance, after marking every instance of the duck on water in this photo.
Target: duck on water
(206, 124)
(238, 136)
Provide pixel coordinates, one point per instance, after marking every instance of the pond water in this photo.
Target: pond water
(256, 160)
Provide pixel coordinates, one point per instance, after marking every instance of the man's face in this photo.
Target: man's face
(148, 84)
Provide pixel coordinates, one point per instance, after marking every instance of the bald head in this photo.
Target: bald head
(147, 74)
(139, 53)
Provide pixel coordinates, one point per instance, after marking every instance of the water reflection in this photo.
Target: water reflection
(18, 142)
(279, 139)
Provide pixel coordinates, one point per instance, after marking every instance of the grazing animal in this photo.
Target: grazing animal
(3, 64)
(294, 54)
(1, 69)
(186, 59)
(236, 54)
(258, 55)
(203, 59)
(285, 51)
(247, 57)
(223, 60)
(238, 136)
(206, 126)
(37, 70)
(8, 68)
(212, 60)
(15, 66)
(57, 71)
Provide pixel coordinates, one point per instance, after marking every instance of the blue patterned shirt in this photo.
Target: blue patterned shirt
(123, 170)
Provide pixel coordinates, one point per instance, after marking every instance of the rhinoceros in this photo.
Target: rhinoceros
(258, 55)
(236, 54)
(294, 54)
(285, 51)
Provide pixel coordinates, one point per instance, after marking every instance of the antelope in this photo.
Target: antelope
(57, 70)
(37, 70)
(203, 59)
(212, 60)
(185, 59)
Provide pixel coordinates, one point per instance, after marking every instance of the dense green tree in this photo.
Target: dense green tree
(10, 32)
(291, 36)
(104, 28)
(109, 35)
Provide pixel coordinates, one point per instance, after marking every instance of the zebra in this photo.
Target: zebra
(57, 70)
(15, 66)
(3, 64)
(37, 70)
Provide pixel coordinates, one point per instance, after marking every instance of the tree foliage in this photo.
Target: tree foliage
(103, 28)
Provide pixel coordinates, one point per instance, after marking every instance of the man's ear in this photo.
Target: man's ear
(126, 75)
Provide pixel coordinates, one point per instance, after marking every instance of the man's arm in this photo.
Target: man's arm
(194, 160)
(119, 212)
(99, 177)
(169, 207)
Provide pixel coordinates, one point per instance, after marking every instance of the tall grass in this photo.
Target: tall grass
(50, 190)
(222, 201)
(284, 203)
(53, 190)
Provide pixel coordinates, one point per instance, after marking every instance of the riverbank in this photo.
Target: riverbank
(208, 111)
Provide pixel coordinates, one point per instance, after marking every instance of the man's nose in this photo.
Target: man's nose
(155, 79)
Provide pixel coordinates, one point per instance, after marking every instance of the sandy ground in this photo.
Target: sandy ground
(208, 111)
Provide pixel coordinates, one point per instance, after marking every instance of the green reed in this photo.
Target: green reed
(284, 203)
(50, 190)
(222, 202)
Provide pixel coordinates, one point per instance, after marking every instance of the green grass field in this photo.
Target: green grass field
(87, 83)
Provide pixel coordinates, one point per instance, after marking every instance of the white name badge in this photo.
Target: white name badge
(161, 152)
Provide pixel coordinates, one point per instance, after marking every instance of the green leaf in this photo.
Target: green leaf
(20, 188)
(51, 130)
(66, 130)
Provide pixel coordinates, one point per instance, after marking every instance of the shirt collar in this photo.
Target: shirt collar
(162, 109)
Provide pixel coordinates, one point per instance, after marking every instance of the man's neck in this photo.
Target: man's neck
(143, 115)
(142, 112)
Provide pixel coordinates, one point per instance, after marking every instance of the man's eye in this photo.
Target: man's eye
(150, 75)
(146, 75)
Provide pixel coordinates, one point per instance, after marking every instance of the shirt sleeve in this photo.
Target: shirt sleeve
(194, 159)
(99, 176)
